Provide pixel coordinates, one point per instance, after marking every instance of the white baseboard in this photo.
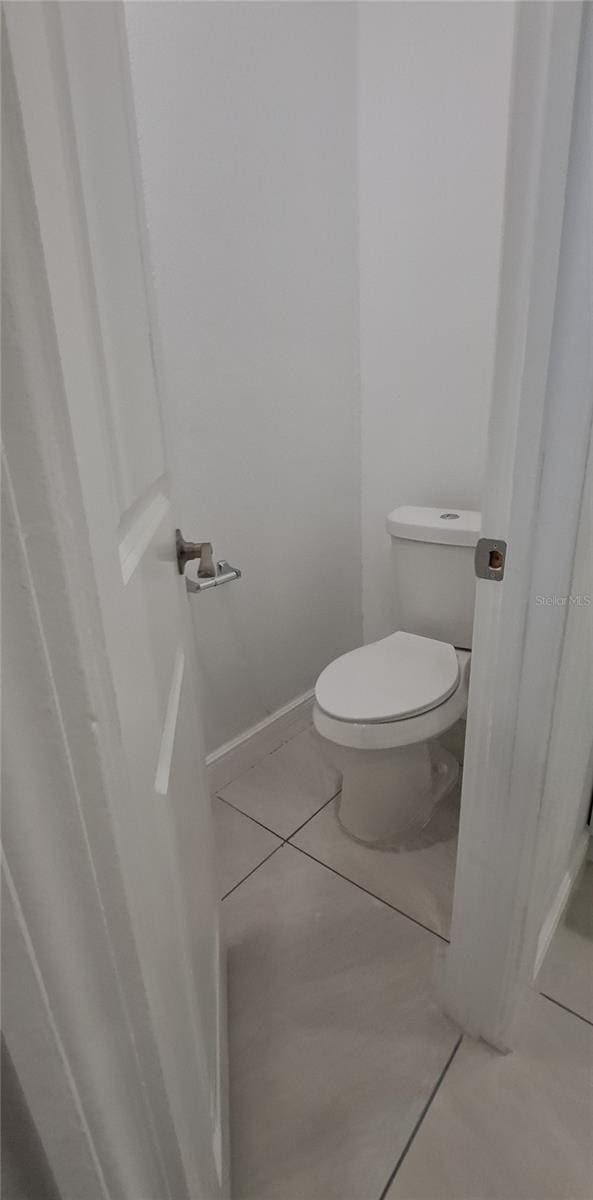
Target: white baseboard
(560, 901)
(248, 748)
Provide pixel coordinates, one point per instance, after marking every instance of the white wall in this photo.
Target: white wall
(247, 123)
(286, 148)
(433, 87)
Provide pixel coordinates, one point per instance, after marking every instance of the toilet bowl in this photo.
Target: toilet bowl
(380, 710)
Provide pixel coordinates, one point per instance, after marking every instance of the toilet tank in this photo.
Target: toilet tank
(432, 552)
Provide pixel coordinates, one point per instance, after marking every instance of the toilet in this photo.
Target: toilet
(382, 708)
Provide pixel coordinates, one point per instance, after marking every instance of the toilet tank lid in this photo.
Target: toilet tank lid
(455, 526)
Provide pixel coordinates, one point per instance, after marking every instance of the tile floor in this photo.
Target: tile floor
(347, 1082)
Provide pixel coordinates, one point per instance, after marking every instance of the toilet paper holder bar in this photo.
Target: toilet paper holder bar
(224, 574)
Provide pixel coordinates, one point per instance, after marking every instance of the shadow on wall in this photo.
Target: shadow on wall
(26, 1173)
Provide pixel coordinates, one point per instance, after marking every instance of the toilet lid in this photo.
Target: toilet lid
(400, 676)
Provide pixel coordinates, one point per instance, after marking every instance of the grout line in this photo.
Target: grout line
(287, 841)
(250, 818)
(230, 804)
(421, 1117)
(251, 872)
(282, 840)
(572, 1011)
(315, 814)
(393, 907)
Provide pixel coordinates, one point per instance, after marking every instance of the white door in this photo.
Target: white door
(72, 84)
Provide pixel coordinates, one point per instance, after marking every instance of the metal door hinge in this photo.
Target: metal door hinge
(490, 559)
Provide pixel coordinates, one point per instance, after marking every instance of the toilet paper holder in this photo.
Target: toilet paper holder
(224, 574)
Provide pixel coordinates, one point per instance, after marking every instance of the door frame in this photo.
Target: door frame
(102, 1136)
(537, 452)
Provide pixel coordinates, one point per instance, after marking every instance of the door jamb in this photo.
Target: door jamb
(517, 645)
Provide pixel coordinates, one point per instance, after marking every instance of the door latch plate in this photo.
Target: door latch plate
(490, 559)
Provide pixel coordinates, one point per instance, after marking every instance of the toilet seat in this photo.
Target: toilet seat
(388, 735)
(398, 677)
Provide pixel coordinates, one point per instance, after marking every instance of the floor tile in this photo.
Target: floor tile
(567, 970)
(336, 1040)
(240, 844)
(418, 878)
(510, 1127)
(288, 786)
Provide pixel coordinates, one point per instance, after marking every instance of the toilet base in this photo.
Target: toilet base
(389, 794)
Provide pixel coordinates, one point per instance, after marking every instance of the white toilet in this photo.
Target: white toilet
(380, 708)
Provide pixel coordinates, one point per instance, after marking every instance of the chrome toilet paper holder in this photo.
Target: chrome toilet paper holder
(224, 574)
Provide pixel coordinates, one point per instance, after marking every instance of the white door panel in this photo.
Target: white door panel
(72, 82)
(91, 38)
